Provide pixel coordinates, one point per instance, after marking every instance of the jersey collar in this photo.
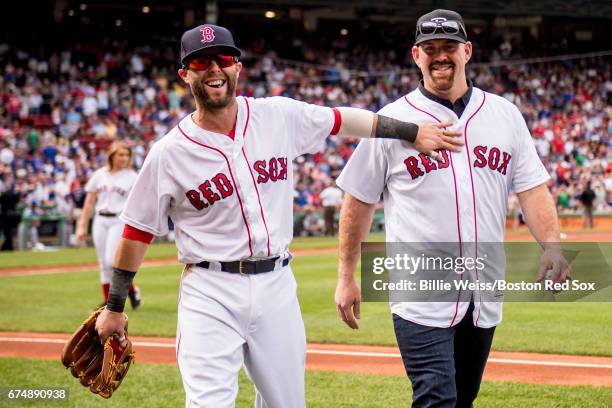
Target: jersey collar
(460, 104)
(220, 140)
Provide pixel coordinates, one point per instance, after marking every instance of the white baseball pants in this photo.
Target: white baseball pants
(226, 320)
(106, 233)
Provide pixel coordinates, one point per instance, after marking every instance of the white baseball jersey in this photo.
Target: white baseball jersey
(460, 198)
(228, 199)
(112, 189)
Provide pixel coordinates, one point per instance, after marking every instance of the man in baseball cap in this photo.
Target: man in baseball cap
(441, 51)
(199, 47)
(445, 343)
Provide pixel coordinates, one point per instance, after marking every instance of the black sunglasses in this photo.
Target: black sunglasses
(447, 27)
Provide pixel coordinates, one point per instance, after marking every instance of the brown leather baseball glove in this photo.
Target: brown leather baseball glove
(100, 367)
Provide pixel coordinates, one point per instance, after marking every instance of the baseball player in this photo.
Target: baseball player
(107, 191)
(445, 345)
(224, 175)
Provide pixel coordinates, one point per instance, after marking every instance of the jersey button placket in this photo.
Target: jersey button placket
(242, 179)
(254, 192)
(251, 204)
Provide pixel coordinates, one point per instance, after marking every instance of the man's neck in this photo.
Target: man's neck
(219, 120)
(456, 92)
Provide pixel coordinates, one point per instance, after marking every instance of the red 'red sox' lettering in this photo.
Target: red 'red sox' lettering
(494, 159)
(412, 164)
(223, 186)
(272, 170)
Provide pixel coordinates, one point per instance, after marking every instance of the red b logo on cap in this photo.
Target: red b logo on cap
(208, 34)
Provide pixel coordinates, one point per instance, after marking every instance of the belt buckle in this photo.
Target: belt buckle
(240, 268)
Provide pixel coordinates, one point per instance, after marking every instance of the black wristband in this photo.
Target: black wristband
(389, 128)
(119, 289)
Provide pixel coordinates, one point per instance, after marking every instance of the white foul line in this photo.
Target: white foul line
(331, 352)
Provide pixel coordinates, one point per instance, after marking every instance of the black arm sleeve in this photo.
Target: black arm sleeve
(390, 128)
(119, 289)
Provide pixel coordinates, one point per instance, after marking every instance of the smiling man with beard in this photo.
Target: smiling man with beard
(212, 94)
(224, 176)
(445, 341)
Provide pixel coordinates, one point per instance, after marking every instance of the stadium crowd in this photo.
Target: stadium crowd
(61, 109)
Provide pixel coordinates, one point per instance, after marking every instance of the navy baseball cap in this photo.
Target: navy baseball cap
(207, 38)
(440, 24)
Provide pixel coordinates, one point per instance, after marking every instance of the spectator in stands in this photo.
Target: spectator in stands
(563, 199)
(56, 116)
(33, 214)
(313, 225)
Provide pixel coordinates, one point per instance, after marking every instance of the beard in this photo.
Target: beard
(442, 82)
(210, 103)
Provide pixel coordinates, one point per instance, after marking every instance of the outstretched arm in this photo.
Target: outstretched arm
(426, 137)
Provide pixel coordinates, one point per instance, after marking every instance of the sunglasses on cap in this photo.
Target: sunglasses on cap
(204, 61)
(448, 27)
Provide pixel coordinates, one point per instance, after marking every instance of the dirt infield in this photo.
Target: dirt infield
(502, 366)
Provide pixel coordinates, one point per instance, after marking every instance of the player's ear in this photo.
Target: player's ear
(468, 51)
(416, 54)
(238, 68)
(183, 74)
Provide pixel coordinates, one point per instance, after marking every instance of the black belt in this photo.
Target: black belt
(247, 267)
(107, 214)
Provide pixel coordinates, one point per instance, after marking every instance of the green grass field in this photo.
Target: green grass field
(59, 302)
(160, 386)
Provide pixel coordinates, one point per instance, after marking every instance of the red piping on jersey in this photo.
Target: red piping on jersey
(467, 148)
(337, 122)
(231, 175)
(450, 158)
(251, 171)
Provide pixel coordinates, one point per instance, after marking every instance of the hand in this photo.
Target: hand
(109, 323)
(348, 301)
(553, 260)
(435, 136)
(82, 234)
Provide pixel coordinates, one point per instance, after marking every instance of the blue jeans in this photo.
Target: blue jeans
(445, 365)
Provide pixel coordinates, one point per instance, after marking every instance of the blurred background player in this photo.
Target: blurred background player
(587, 198)
(331, 200)
(107, 192)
